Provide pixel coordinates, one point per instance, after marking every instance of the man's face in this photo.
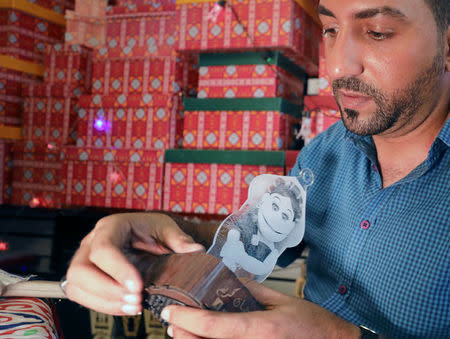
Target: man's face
(384, 61)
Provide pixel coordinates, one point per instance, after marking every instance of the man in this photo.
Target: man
(378, 214)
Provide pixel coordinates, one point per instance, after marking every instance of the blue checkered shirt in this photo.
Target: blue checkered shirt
(378, 257)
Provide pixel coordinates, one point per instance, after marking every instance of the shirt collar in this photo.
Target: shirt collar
(367, 146)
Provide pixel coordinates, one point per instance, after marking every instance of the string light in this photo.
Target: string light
(114, 177)
(35, 202)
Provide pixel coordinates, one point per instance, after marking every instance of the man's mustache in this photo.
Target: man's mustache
(355, 85)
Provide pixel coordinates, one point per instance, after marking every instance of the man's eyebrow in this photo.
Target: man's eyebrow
(386, 10)
(325, 11)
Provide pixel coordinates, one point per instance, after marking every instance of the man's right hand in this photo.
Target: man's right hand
(101, 278)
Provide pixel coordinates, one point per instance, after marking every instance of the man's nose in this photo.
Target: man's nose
(344, 56)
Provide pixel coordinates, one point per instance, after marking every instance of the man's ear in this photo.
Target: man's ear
(447, 51)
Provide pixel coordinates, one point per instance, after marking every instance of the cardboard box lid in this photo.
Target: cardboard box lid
(258, 158)
(242, 104)
(109, 154)
(275, 58)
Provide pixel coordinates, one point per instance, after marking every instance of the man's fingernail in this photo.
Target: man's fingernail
(130, 309)
(170, 331)
(131, 286)
(165, 314)
(131, 298)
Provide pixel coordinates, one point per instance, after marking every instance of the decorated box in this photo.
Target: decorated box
(140, 6)
(272, 24)
(245, 124)
(11, 100)
(108, 177)
(24, 35)
(69, 65)
(5, 171)
(58, 6)
(324, 80)
(250, 75)
(323, 111)
(140, 35)
(11, 110)
(134, 121)
(50, 119)
(85, 30)
(37, 175)
(94, 8)
(163, 75)
(213, 182)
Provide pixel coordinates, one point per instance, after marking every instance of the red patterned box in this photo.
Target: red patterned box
(59, 6)
(140, 35)
(207, 185)
(140, 6)
(5, 171)
(69, 65)
(324, 80)
(244, 124)
(25, 36)
(163, 75)
(324, 112)
(11, 101)
(37, 175)
(11, 109)
(273, 24)
(94, 8)
(50, 119)
(107, 177)
(139, 122)
(85, 30)
(250, 75)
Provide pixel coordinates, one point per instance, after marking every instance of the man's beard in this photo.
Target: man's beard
(402, 105)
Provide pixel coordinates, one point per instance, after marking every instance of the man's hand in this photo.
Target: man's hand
(101, 278)
(284, 317)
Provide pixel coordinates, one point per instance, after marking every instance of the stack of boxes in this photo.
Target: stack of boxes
(27, 29)
(323, 109)
(254, 58)
(50, 113)
(133, 112)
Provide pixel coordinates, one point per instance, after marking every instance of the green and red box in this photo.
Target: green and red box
(214, 182)
(239, 124)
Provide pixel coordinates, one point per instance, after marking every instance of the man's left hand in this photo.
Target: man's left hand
(284, 317)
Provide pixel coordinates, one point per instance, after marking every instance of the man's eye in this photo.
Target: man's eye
(275, 207)
(327, 32)
(378, 35)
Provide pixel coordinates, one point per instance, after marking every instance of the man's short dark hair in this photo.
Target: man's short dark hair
(441, 12)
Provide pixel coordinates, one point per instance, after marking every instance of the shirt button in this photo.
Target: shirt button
(375, 168)
(342, 289)
(365, 224)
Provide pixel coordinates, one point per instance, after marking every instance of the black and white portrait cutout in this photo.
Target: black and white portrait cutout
(272, 219)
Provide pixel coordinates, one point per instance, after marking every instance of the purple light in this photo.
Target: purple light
(100, 124)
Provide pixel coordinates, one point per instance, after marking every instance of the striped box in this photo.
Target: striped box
(50, 119)
(325, 88)
(213, 182)
(134, 121)
(107, 177)
(273, 24)
(85, 30)
(240, 124)
(250, 75)
(140, 35)
(37, 175)
(159, 75)
(5, 171)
